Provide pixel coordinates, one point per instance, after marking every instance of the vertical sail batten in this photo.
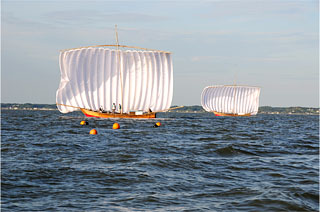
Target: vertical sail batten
(237, 100)
(90, 79)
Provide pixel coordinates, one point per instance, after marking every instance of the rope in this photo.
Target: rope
(169, 109)
(123, 46)
(70, 106)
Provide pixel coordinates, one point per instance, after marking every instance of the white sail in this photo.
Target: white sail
(92, 78)
(231, 99)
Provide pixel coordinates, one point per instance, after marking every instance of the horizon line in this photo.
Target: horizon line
(174, 105)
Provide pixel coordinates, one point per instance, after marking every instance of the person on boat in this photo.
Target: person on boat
(150, 111)
(120, 108)
(101, 109)
(114, 107)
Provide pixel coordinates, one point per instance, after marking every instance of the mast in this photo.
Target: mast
(234, 94)
(120, 70)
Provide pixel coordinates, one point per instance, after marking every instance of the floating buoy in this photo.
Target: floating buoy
(93, 132)
(84, 123)
(116, 126)
(158, 124)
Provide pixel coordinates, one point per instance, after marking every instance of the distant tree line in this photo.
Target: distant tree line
(288, 110)
(262, 110)
(185, 109)
(29, 106)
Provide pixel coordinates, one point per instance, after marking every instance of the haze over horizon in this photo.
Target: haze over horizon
(271, 44)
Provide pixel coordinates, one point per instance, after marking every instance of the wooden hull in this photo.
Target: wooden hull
(90, 113)
(230, 114)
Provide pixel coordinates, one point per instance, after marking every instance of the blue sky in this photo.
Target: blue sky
(273, 44)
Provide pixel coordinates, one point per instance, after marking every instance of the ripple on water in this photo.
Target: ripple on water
(193, 162)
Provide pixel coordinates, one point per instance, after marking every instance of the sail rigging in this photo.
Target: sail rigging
(90, 79)
(231, 99)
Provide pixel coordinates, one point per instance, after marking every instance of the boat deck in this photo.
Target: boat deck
(230, 114)
(90, 113)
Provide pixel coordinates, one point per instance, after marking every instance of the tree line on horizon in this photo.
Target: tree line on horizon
(194, 108)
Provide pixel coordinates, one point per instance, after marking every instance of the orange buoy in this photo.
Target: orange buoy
(93, 132)
(84, 123)
(158, 124)
(116, 126)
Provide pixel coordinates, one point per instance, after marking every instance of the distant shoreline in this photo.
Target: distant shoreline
(185, 109)
(262, 110)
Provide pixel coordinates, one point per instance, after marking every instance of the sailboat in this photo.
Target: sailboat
(231, 100)
(115, 81)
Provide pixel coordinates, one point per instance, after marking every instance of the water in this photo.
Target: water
(193, 162)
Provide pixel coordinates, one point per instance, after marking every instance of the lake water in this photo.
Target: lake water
(192, 162)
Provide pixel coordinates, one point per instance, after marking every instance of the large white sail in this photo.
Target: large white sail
(231, 99)
(92, 78)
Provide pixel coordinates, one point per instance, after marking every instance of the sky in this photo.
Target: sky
(273, 44)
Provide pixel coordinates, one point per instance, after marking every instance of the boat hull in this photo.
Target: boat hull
(230, 114)
(90, 113)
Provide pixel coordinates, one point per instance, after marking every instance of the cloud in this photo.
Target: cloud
(207, 58)
(95, 17)
(9, 18)
(258, 9)
(246, 59)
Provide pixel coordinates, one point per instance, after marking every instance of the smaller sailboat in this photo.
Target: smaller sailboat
(231, 100)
